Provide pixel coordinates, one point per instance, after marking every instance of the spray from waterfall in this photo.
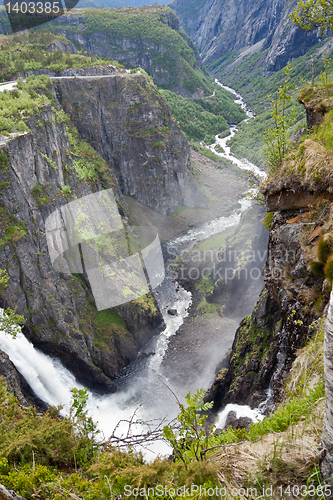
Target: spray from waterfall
(139, 387)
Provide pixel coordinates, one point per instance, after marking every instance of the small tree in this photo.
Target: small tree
(9, 320)
(277, 139)
(84, 428)
(312, 14)
(190, 440)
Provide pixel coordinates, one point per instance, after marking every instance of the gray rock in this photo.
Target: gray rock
(247, 27)
(237, 423)
(59, 308)
(131, 127)
(63, 47)
(9, 494)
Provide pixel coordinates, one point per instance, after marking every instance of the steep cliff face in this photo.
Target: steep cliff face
(50, 166)
(266, 341)
(17, 385)
(149, 37)
(297, 276)
(244, 27)
(59, 309)
(129, 123)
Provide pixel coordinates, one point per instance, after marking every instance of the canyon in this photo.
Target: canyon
(109, 127)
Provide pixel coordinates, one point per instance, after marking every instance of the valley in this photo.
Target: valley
(124, 100)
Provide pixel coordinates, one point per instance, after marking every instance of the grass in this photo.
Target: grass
(308, 165)
(104, 318)
(28, 51)
(11, 230)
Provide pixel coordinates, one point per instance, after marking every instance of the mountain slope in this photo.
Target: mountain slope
(228, 28)
(149, 37)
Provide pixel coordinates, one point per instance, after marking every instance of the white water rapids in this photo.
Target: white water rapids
(140, 383)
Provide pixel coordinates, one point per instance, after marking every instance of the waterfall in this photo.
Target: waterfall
(140, 387)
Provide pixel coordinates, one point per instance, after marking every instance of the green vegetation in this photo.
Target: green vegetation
(299, 170)
(276, 138)
(223, 104)
(28, 51)
(189, 6)
(86, 162)
(190, 440)
(196, 122)
(251, 346)
(60, 458)
(38, 193)
(324, 265)
(247, 78)
(248, 142)
(202, 119)
(66, 190)
(4, 162)
(10, 229)
(290, 413)
(312, 14)
(9, 321)
(155, 32)
(17, 105)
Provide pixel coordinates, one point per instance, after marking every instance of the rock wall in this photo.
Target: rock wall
(266, 341)
(61, 318)
(161, 48)
(220, 26)
(129, 123)
(326, 466)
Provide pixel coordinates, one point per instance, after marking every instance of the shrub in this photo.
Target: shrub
(324, 266)
(267, 222)
(66, 190)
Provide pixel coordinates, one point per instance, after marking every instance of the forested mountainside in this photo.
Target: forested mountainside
(149, 37)
(227, 30)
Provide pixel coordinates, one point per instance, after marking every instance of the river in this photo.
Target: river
(142, 388)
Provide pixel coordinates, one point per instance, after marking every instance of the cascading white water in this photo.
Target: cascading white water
(240, 411)
(140, 382)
